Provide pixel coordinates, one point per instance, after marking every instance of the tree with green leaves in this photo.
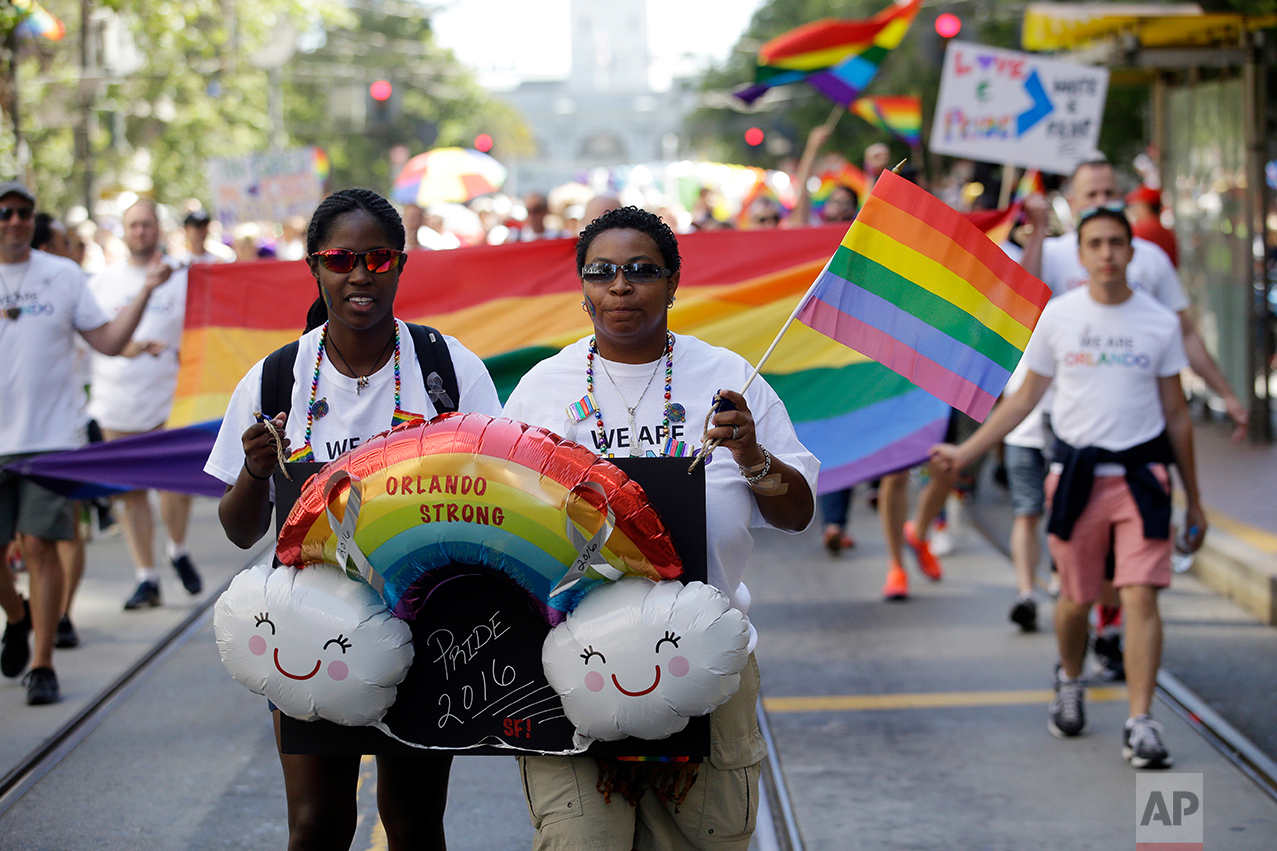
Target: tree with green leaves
(139, 95)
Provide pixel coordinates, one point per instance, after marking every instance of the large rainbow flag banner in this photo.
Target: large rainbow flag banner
(837, 58)
(916, 286)
(514, 305)
(899, 115)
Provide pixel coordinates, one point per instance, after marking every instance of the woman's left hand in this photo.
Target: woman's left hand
(734, 429)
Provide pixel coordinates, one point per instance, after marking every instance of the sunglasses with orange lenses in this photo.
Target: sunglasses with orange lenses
(377, 260)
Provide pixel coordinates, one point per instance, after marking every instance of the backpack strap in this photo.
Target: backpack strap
(277, 379)
(436, 367)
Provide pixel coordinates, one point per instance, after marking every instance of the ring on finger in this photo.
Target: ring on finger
(735, 432)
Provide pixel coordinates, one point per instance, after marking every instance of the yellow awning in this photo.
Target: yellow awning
(1068, 26)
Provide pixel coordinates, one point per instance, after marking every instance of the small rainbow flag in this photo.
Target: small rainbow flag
(1030, 184)
(582, 408)
(837, 58)
(918, 288)
(901, 116)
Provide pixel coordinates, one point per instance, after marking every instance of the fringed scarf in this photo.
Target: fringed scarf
(670, 781)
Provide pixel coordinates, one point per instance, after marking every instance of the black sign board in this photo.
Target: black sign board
(476, 684)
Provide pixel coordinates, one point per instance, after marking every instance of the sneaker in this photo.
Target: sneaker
(1068, 708)
(189, 575)
(897, 585)
(927, 561)
(146, 595)
(67, 636)
(1107, 662)
(1142, 744)
(42, 686)
(941, 542)
(17, 645)
(1025, 613)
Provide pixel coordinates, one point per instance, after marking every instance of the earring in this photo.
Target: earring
(670, 303)
(583, 307)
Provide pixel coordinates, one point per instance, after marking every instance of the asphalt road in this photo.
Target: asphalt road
(919, 725)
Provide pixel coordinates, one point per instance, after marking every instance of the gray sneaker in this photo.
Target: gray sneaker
(1142, 744)
(1068, 708)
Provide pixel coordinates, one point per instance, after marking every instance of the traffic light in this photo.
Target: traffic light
(754, 137)
(381, 100)
(948, 25)
(483, 143)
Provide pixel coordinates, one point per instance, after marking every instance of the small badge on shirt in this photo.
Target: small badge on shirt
(582, 409)
(319, 408)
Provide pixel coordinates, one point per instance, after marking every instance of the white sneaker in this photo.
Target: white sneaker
(941, 541)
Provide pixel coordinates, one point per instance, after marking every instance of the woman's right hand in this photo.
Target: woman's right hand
(260, 456)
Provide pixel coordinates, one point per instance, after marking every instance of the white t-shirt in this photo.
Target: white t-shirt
(136, 394)
(1150, 270)
(1105, 360)
(42, 400)
(700, 370)
(353, 415)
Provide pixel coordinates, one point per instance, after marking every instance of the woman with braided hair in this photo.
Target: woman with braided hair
(354, 375)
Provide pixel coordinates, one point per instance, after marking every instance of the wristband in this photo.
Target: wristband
(249, 470)
(757, 477)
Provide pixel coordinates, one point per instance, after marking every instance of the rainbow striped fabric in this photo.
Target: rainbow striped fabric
(837, 58)
(514, 305)
(899, 115)
(920, 289)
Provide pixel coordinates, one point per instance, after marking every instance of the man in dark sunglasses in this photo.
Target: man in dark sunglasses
(44, 303)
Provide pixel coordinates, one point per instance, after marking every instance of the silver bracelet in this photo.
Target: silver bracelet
(767, 465)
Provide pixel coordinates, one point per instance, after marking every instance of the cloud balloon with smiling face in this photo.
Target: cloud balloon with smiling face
(638, 658)
(314, 641)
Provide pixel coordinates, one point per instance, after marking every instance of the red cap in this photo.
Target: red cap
(1144, 195)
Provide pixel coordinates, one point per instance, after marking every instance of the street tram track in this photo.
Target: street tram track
(1223, 737)
(57, 747)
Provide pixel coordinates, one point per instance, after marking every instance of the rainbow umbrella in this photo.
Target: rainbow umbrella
(447, 174)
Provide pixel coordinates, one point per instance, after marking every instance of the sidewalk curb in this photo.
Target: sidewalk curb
(1240, 572)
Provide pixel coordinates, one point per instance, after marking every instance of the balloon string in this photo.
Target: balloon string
(277, 440)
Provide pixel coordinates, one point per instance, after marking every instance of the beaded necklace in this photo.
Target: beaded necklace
(318, 409)
(598, 411)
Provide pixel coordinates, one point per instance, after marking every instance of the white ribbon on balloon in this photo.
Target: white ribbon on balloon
(347, 549)
(589, 552)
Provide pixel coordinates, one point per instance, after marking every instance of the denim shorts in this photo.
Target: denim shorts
(1026, 475)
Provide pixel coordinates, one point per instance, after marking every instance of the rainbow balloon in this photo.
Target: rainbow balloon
(472, 490)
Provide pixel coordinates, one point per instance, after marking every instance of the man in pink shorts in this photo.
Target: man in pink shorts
(1119, 414)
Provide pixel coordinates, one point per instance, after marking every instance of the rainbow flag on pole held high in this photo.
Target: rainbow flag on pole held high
(837, 58)
(514, 305)
(901, 116)
(917, 287)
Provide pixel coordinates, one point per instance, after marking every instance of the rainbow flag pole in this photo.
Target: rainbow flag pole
(921, 290)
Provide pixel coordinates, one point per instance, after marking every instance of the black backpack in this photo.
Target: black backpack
(437, 372)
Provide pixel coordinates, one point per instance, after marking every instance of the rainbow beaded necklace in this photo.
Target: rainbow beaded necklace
(306, 453)
(598, 411)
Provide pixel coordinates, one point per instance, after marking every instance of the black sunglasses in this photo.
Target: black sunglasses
(377, 260)
(24, 213)
(635, 273)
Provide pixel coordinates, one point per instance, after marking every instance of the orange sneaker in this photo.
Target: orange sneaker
(927, 561)
(897, 585)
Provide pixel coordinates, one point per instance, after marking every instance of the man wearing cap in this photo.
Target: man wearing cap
(1144, 209)
(195, 226)
(44, 303)
(133, 394)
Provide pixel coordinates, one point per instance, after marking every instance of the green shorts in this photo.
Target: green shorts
(31, 509)
(719, 811)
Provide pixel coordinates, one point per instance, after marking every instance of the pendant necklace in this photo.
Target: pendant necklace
(14, 310)
(316, 409)
(361, 381)
(668, 354)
